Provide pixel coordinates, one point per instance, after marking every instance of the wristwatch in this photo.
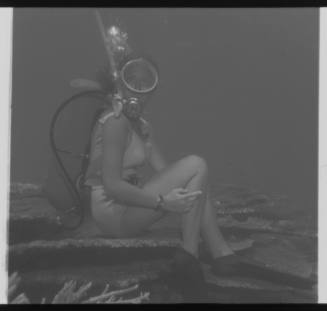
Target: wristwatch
(160, 202)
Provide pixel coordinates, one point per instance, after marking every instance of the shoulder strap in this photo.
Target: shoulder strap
(103, 119)
(145, 128)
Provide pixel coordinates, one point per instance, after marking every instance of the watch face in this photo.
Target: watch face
(139, 75)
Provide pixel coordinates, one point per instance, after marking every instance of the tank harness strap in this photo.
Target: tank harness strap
(103, 119)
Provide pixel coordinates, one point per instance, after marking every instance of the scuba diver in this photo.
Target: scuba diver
(122, 142)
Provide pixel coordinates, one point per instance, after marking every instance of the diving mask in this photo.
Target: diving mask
(139, 75)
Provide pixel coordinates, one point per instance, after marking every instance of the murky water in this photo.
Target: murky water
(237, 86)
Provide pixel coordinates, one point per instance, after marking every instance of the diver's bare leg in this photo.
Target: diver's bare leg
(191, 221)
(189, 172)
(211, 232)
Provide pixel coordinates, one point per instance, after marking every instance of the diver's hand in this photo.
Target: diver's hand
(180, 200)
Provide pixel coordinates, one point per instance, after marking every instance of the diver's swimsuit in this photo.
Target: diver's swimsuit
(106, 211)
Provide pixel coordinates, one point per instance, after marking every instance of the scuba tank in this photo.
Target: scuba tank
(64, 186)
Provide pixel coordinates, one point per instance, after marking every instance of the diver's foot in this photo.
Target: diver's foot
(188, 276)
(187, 265)
(225, 265)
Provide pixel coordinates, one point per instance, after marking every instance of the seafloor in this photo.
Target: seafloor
(267, 230)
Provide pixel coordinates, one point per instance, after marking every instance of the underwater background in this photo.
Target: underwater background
(237, 86)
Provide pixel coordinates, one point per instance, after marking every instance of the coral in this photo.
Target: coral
(70, 293)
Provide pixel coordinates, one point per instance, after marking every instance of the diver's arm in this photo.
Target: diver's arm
(156, 160)
(115, 133)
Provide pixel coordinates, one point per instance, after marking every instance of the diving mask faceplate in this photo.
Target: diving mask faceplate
(139, 76)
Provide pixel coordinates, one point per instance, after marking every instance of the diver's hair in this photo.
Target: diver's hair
(105, 78)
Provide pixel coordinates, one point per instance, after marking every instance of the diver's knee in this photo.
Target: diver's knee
(197, 162)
